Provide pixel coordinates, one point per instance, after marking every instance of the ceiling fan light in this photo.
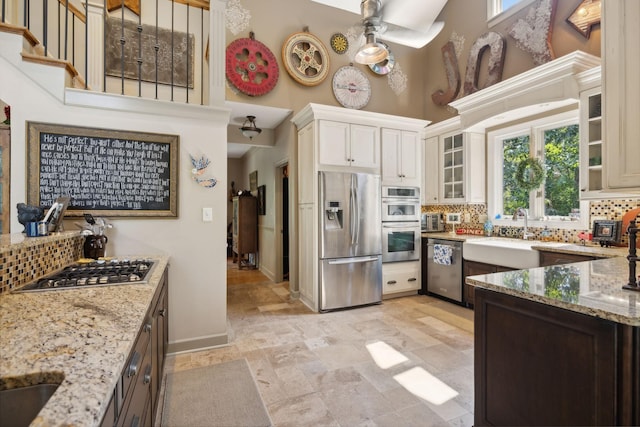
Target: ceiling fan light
(249, 128)
(372, 52)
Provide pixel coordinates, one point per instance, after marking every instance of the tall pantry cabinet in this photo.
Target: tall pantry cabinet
(245, 231)
(621, 95)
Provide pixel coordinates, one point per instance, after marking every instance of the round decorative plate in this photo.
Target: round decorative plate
(339, 43)
(384, 67)
(251, 67)
(305, 58)
(351, 87)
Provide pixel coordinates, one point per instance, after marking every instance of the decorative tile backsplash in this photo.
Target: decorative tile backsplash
(33, 257)
(612, 209)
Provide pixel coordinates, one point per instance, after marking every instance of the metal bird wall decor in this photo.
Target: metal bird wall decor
(199, 166)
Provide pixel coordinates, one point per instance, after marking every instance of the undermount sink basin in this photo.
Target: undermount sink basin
(513, 253)
(20, 406)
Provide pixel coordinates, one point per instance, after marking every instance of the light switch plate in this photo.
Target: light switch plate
(207, 214)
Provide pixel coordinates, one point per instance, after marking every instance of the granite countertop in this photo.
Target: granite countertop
(80, 338)
(589, 249)
(450, 236)
(593, 288)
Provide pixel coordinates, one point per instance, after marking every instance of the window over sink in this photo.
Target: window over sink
(555, 142)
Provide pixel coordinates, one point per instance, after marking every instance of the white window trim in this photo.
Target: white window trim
(495, 16)
(535, 130)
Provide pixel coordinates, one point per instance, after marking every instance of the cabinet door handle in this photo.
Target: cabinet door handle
(162, 312)
(391, 282)
(413, 279)
(147, 327)
(132, 370)
(147, 375)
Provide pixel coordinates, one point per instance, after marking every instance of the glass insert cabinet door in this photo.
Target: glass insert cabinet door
(453, 180)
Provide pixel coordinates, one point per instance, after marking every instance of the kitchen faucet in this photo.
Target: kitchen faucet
(523, 212)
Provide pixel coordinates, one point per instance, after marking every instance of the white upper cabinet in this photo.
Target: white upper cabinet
(346, 144)
(463, 174)
(400, 157)
(454, 164)
(591, 143)
(621, 95)
(430, 174)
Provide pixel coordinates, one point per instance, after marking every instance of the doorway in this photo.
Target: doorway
(285, 223)
(282, 221)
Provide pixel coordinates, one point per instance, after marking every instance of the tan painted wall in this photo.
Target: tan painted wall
(274, 21)
(467, 19)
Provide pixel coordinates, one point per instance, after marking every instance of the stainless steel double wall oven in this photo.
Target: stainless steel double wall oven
(400, 223)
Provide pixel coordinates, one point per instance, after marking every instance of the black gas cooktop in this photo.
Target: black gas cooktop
(94, 273)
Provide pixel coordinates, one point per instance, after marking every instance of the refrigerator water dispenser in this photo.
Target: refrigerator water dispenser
(333, 213)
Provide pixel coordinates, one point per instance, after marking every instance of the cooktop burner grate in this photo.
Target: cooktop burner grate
(95, 273)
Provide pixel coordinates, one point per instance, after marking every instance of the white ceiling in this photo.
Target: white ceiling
(266, 118)
(408, 22)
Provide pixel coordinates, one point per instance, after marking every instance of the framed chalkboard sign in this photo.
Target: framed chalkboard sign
(105, 172)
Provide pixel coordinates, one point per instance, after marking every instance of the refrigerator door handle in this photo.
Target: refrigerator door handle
(352, 260)
(356, 209)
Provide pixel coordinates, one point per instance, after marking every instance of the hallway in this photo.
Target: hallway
(315, 369)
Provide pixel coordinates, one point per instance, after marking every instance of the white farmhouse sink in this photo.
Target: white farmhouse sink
(513, 253)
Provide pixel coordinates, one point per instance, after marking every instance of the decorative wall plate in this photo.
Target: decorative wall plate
(351, 87)
(251, 67)
(305, 58)
(385, 66)
(339, 43)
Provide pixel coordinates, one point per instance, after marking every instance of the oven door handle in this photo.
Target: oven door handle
(405, 226)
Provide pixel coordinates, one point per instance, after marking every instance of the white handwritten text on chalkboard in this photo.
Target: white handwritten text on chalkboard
(104, 173)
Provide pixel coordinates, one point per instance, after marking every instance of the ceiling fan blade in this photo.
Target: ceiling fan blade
(411, 38)
(416, 15)
(352, 6)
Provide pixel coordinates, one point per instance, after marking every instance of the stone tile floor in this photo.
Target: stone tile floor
(315, 369)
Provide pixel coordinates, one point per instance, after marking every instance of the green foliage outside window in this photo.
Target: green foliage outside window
(514, 151)
(562, 162)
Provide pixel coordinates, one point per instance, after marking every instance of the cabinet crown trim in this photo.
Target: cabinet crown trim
(327, 112)
(554, 84)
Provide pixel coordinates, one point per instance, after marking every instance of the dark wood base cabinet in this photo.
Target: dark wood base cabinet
(135, 399)
(541, 365)
(474, 268)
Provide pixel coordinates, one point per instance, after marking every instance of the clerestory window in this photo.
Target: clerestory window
(499, 10)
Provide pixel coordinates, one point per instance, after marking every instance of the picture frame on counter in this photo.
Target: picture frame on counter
(105, 172)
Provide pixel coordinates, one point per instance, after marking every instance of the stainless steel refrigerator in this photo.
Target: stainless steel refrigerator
(350, 240)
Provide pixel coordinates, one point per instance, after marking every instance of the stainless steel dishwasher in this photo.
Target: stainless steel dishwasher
(444, 268)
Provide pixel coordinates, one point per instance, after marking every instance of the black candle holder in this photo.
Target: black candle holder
(632, 230)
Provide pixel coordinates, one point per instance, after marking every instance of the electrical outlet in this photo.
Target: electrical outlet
(467, 217)
(207, 214)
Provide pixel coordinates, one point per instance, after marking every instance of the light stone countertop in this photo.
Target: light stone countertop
(80, 338)
(593, 288)
(589, 249)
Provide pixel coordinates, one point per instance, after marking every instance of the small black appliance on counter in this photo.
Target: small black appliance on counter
(607, 232)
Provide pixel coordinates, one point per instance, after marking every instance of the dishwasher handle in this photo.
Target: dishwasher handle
(454, 247)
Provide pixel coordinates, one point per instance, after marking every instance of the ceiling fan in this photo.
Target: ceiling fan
(407, 22)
